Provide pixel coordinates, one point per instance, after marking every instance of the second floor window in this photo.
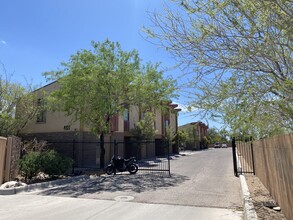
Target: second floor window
(126, 119)
(41, 117)
(126, 115)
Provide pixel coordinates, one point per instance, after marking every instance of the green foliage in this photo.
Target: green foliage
(240, 55)
(17, 106)
(182, 137)
(49, 162)
(99, 83)
(190, 135)
(30, 164)
(144, 129)
(215, 135)
(170, 135)
(54, 164)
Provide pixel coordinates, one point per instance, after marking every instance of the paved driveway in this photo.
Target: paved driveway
(203, 179)
(202, 186)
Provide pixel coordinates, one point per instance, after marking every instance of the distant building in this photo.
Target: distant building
(197, 131)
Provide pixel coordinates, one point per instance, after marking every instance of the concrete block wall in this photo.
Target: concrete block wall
(13, 151)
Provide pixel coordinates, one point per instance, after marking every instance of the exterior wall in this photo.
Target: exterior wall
(55, 121)
(158, 122)
(120, 123)
(173, 122)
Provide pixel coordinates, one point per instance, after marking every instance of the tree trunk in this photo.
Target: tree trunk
(102, 151)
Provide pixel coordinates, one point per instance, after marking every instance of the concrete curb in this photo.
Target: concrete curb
(31, 187)
(248, 207)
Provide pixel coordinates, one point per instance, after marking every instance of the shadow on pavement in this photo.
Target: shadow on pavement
(121, 182)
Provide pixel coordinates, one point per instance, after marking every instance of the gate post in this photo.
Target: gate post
(234, 157)
(115, 149)
(252, 156)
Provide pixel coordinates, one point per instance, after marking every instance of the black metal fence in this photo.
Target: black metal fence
(243, 157)
(152, 156)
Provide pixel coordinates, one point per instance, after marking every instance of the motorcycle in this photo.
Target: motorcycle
(120, 164)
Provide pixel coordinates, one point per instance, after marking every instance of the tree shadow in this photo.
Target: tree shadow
(117, 183)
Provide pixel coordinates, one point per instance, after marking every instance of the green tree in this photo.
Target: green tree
(17, 105)
(193, 135)
(182, 137)
(215, 135)
(144, 129)
(100, 83)
(240, 55)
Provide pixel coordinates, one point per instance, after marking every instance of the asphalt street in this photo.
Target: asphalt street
(202, 186)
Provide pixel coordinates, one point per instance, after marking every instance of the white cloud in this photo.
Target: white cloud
(3, 42)
(185, 108)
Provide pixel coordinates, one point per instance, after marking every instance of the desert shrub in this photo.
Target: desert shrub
(52, 163)
(49, 162)
(30, 164)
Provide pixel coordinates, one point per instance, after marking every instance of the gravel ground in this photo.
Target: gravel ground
(259, 195)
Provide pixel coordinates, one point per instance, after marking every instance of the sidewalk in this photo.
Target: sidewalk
(23, 206)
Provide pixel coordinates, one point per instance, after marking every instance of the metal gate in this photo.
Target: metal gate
(151, 156)
(243, 159)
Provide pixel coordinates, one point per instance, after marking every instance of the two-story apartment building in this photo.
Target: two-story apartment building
(196, 132)
(74, 139)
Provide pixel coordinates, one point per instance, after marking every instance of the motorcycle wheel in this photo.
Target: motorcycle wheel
(132, 168)
(110, 170)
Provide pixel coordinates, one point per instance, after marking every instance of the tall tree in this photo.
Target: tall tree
(100, 83)
(17, 105)
(240, 55)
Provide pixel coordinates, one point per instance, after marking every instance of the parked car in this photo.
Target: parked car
(217, 145)
(224, 145)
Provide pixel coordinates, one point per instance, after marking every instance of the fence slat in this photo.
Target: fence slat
(273, 163)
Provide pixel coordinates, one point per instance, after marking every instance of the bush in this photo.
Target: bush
(30, 164)
(53, 163)
(49, 162)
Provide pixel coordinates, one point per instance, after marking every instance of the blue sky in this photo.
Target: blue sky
(37, 35)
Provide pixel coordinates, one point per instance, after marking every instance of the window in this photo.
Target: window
(126, 115)
(41, 117)
(66, 127)
(167, 123)
(126, 119)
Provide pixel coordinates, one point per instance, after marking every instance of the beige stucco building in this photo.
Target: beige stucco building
(197, 132)
(62, 131)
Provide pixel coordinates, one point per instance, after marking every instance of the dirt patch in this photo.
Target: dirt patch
(42, 177)
(261, 196)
